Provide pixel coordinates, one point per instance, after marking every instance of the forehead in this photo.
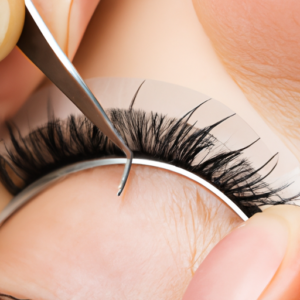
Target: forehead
(79, 238)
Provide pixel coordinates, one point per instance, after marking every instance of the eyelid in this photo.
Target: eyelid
(207, 151)
(60, 143)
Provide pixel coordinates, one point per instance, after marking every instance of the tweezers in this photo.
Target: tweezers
(38, 44)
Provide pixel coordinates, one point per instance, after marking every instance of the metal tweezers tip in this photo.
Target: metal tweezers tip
(125, 175)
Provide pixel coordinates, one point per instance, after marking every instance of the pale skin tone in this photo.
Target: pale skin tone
(158, 238)
(145, 245)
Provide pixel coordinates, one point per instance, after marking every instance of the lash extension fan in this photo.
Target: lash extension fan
(38, 44)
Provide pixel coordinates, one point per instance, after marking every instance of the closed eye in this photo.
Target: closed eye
(155, 136)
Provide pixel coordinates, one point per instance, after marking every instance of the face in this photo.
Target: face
(77, 239)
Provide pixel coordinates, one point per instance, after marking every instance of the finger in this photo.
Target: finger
(67, 20)
(12, 15)
(285, 284)
(243, 264)
(79, 22)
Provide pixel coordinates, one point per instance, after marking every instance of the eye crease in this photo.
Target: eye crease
(155, 136)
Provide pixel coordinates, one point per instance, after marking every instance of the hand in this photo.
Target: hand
(66, 19)
(258, 260)
(12, 14)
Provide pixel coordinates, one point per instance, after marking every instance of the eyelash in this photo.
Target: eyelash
(6, 297)
(153, 135)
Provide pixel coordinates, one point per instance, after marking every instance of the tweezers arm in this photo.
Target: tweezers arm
(38, 44)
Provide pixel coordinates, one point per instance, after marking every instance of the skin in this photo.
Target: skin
(11, 24)
(158, 224)
(145, 53)
(264, 59)
(186, 57)
(255, 271)
(67, 20)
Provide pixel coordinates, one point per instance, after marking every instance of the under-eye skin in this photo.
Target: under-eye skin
(60, 143)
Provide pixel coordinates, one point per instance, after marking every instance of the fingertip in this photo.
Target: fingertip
(244, 263)
(12, 16)
(285, 284)
(81, 13)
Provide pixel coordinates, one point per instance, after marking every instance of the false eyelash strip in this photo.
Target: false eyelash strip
(154, 136)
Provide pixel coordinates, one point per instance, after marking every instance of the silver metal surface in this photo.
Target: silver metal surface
(38, 44)
(40, 185)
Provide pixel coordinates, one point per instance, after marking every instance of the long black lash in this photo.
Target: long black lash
(60, 143)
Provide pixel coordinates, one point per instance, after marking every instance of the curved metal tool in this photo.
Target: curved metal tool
(38, 44)
(40, 185)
